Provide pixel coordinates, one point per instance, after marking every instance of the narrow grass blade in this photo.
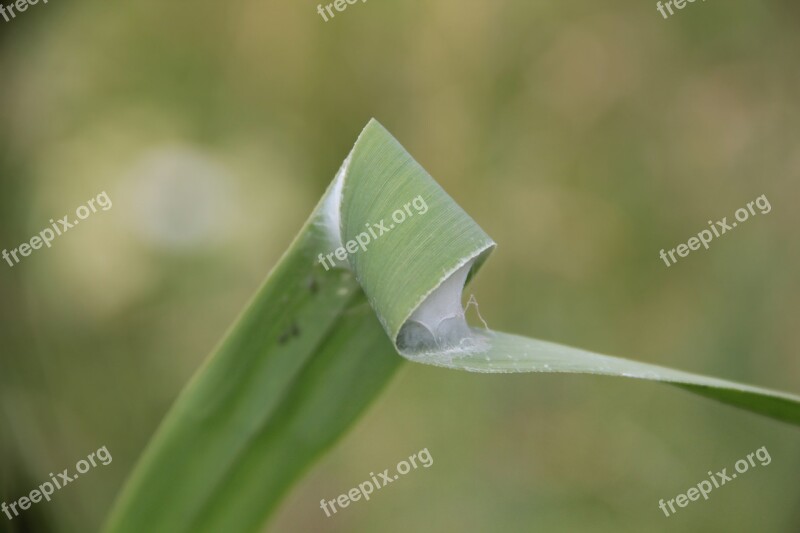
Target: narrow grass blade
(512, 353)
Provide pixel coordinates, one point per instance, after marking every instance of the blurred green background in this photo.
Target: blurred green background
(583, 136)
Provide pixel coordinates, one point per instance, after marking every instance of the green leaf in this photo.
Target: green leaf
(297, 368)
(512, 353)
(317, 344)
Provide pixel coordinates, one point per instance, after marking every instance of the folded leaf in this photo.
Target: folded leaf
(377, 270)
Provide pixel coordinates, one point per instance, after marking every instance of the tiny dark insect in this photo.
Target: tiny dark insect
(293, 331)
(313, 287)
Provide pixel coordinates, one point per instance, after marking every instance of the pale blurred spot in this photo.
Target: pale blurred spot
(179, 199)
(715, 119)
(91, 273)
(589, 67)
(94, 269)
